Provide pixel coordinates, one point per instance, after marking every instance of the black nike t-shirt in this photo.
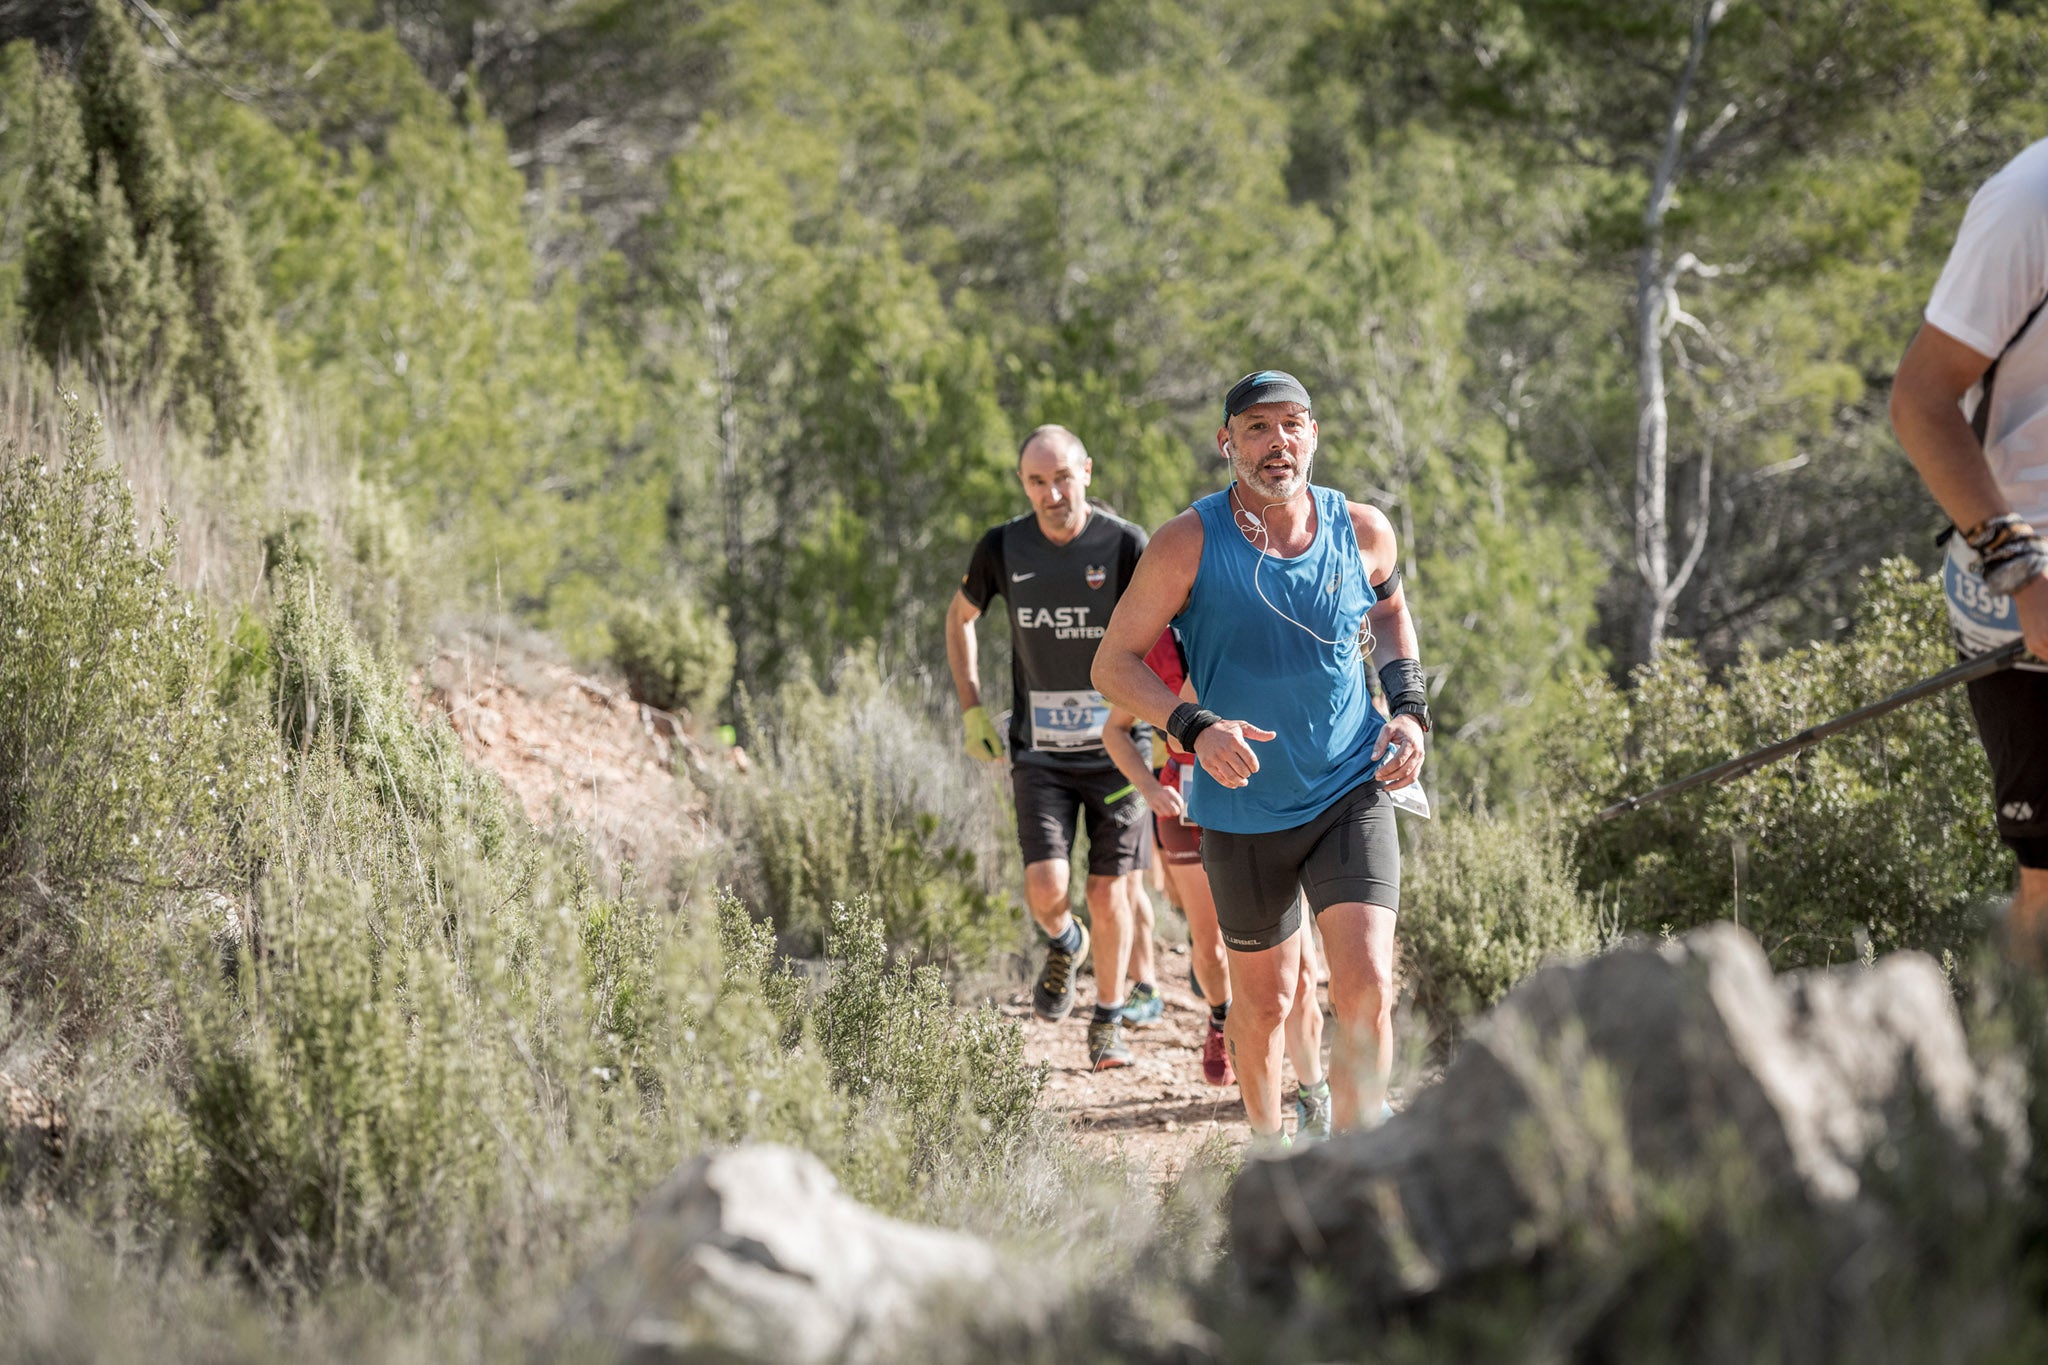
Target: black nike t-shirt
(1060, 598)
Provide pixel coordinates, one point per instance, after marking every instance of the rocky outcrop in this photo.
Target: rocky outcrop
(1598, 1093)
(755, 1254)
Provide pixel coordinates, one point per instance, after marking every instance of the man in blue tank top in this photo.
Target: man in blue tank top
(1281, 593)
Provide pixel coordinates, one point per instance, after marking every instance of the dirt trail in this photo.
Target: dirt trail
(1157, 1111)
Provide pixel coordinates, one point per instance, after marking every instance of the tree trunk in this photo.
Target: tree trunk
(1653, 423)
(732, 491)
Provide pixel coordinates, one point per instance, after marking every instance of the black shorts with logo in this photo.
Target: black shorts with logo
(1348, 853)
(2012, 719)
(1050, 802)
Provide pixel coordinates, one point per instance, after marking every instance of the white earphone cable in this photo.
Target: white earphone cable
(1251, 525)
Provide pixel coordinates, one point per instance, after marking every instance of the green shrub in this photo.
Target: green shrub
(1881, 834)
(945, 1088)
(328, 681)
(351, 1115)
(855, 794)
(1484, 902)
(677, 657)
(121, 781)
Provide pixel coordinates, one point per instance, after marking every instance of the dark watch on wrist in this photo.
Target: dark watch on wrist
(1417, 709)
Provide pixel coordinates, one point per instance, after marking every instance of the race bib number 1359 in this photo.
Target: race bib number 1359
(1981, 619)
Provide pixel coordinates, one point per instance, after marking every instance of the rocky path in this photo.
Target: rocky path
(1157, 1112)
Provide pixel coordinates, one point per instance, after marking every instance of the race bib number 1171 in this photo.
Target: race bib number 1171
(1067, 720)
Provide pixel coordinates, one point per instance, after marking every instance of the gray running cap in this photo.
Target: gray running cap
(1263, 386)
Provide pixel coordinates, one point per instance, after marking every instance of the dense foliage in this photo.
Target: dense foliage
(700, 336)
(1876, 840)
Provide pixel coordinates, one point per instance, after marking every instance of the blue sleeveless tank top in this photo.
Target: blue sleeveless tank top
(1250, 663)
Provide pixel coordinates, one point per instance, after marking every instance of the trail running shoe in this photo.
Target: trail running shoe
(1269, 1146)
(1106, 1044)
(1052, 996)
(1312, 1113)
(1143, 1005)
(1216, 1058)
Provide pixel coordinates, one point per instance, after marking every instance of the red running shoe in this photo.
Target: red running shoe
(1216, 1059)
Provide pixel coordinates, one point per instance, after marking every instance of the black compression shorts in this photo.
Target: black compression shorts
(2012, 719)
(1051, 802)
(1348, 853)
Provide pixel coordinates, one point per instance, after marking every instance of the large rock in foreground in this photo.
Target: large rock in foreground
(1596, 1093)
(754, 1254)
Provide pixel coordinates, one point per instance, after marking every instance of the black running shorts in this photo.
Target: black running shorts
(1348, 853)
(1051, 802)
(2012, 719)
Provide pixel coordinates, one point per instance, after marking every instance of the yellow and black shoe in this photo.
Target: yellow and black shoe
(1052, 995)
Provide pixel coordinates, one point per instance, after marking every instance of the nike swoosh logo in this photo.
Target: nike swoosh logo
(1020, 577)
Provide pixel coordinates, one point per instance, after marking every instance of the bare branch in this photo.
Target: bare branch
(1665, 176)
(1702, 149)
(1773, 471)
(184, 54)
(1701, 506)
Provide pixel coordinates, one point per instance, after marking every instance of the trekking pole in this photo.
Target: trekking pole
(1969, 671)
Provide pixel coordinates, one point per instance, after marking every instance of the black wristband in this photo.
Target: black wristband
(1187, 723)
(1401, 677)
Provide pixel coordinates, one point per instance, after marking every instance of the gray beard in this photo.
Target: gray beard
(1307, 468)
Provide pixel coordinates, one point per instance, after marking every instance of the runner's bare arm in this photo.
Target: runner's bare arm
(1159, 589)
(1123, 751)
(1935, 373)
(961, 654)
(1393, 637)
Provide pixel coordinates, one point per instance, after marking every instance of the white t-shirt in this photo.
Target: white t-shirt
(1996, 273)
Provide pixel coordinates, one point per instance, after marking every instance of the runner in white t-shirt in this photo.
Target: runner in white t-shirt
(1986, 462)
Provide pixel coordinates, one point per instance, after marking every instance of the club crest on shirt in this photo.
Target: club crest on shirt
(1098, 574)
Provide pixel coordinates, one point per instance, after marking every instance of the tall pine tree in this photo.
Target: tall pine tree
(132, 263)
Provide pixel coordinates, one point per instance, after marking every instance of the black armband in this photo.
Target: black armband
(1389, 585)
(1187, 723)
